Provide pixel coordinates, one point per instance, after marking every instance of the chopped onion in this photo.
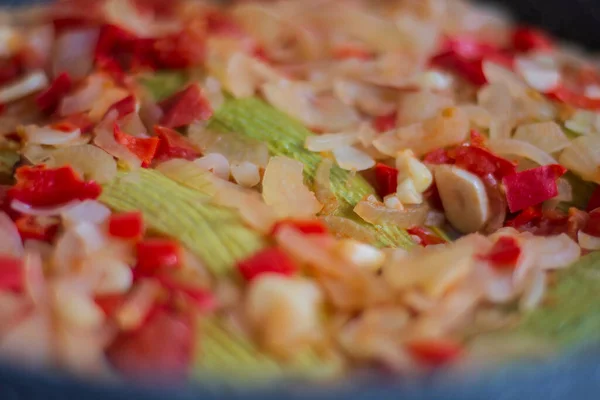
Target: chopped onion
(584, 122)
(370, 99)
(347, 228)
(213, 92)
(299, 101)
(390, 143)
(188, 173)
(215, 163)
(26, 209)
(105, 139)
(127, 14)
(323, 191)
(48, 136)
(548, 136)
(330, 141)
(107, 98)
(74, 52)
(540, 76)
(478, 115)
(245, 174)
(534, 293)
(520, 148)
(378, 214)
(496, 74)
(28, 84)
(33, 278)
(10, 240)
(38, 46)
(249, 205)
(87, 211)
(84, 99)
(116, 277)
(554, 252)
(588, 242)
(284, 189)
(76, 308)
(138, 305)
(414, 107)
(583, 157)
(352, 159)
(90, 161)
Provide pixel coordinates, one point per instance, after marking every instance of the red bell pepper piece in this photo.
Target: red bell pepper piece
(386, 178)
(110, 303)
(437, 157)
(163, 347)
(203, 299)
(10, 69)
(528, 39)
(434, 352)
(594, 201)
(528, 216)
(533, 186)
(482, 162)
(173, 145)
(50, 98)
(345, 52)
(11, 273)
(143, 148)
(221, 24)
(306, 226)
(385, 122)
(123, 107)
(426, 236)
(267, 261)
(39, 186)
(81, 121)
(128, 225)
(185, 107)
(29, 227)
(155, 254)
(593, 225)
(568, 96)
(504, 254)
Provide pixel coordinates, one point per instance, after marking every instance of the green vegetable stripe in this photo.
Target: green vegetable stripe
(573, 315)
(215, 234)
(164, 83)
(224, 354)
(285, 136)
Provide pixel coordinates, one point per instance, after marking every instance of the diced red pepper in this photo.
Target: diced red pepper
(128, 225)
(221, 24)
(81, 121)
(593, 225)
(306, 226)
(185, 107)
(504, 254)
(162, 348)
(426, 236)
(345, 52)
(385, 122)
(11, 273)
(29, 227)
(39, 186)
(110, 303)
(437, 157)
(531, 187)
(529, 39)
(477, 139)
(267, 261)
(594, 201)
(143, 148)
(123, 107)
(155, 254)
(434, 352)
(50, 98)
(203, 299)
(10, 69)
(386, 178)
(173, 145)
(481, 162)
(568, 96)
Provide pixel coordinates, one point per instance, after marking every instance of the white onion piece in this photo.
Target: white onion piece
(249, 204)
(540, 76)
(478, 115)
(38, 46)
(26, 209)
(126, 13)
(89, 161)
(584, 122)
(352, 159)
(48, 136)
(215, 163)
(107, 98)
(87, 211)
(330, 141)
(521, 149)
(74, 52)
(138, 304)
(133, 124)
(33, 278)
(419, 106)
(29, 84)
(496, 74)
(323, 191)
(91, 236)
(369, 99)
(10, 240)
(588, 242)
(245, 174)
(548, 136)
(554, 252)
(76, 307)
(583, 157)
(84, 98)
(378, 214)
(117, 277)
(534, 293)
(434, 80)
(105, 139)
(284, 189)
(499, 288)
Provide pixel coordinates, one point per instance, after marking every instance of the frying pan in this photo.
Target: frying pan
(575, 375)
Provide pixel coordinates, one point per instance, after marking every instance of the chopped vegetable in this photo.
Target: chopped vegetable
(143, 148)
(530, 39)
(126, 225)
(308, 226)
(385, 122)
(531, 187)
(185, 107)
(49, 99)
(434, 352)
(267, 261)
(31, 228)
(11, 273)
(426, 236)
(123, 107)
(173, 145)
(155, 254)
(505, 254)
(387, 179)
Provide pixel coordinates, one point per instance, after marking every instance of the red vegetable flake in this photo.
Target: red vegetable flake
(349, 51)
(64, 126)
(173, 145)
(29, 227)
(128, 225)
(154, 254)
(529, 39)
(267, 261)
(306, 226)
(385, 123)
(203, 299)
(594, 201)
(593, 225)
(10, 69)
(50, 98)
(477, 139)
(504, 254)
(437, 157)
(185, 107)
(531, 187)
(81, 121)
(39, 186)
(143, 148)
(481, 162)
(110, 303)
(434, 352)
(386, 178)
(162, 348)
(123, 107)
(11, 273)
(567, 96)
(219, 23)
(426, 236)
